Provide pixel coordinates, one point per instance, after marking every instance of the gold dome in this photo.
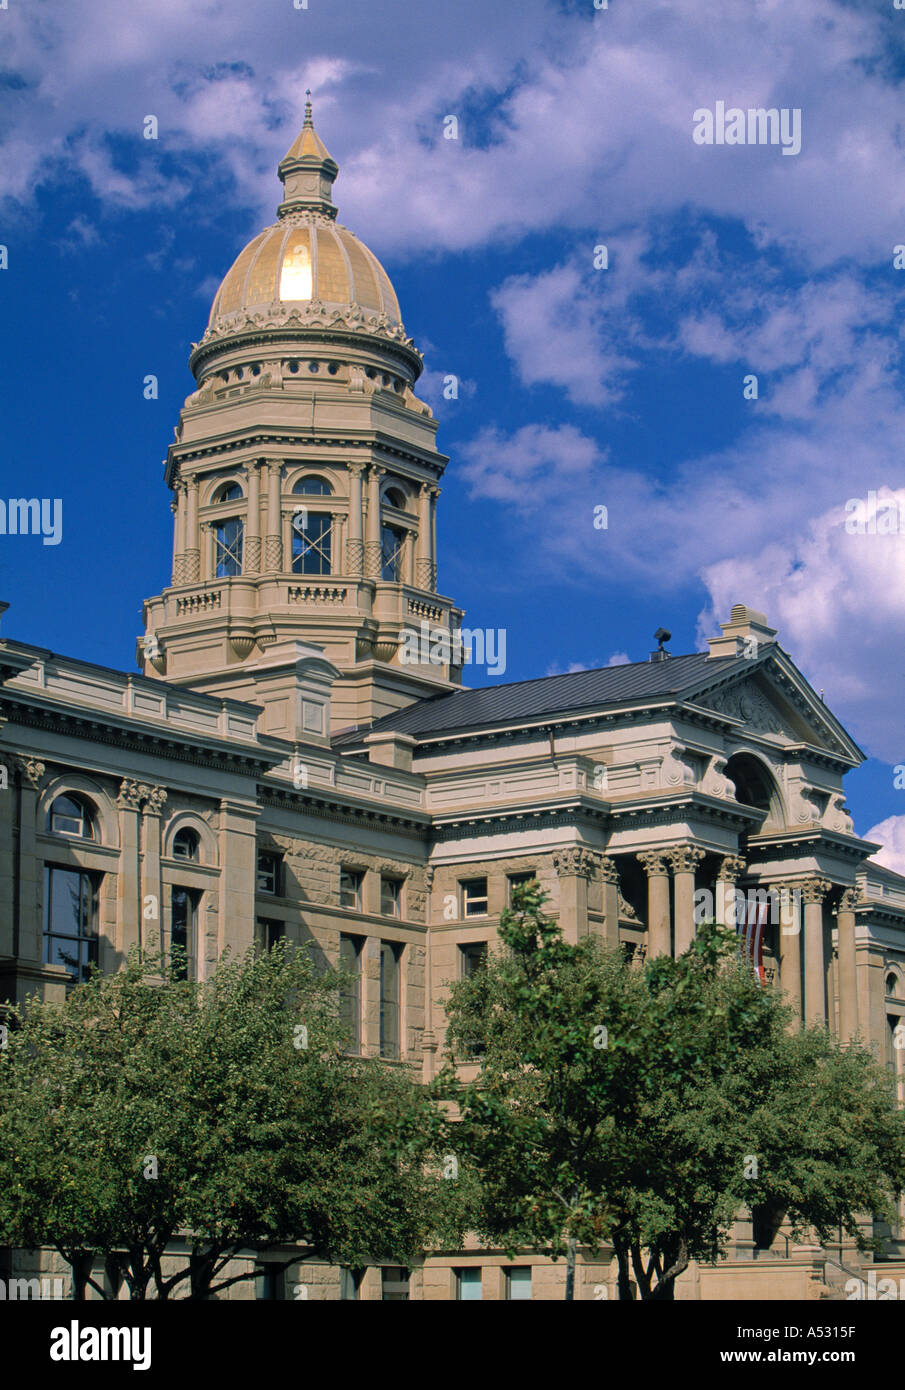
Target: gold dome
(302, 258)
(306, 257)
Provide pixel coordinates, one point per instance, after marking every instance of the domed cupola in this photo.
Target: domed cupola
(305, 476)
(307, 276)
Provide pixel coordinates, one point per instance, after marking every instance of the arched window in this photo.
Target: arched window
(72, 816)
(311, 542)
(892, 985)
(228, 536)
(395, 497)
(313, 487)
(185, 844)
(230, 493)
(393, 541)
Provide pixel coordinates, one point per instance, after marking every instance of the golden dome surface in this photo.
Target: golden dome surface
(307, 258)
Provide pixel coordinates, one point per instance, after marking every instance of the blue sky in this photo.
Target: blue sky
(579, 386)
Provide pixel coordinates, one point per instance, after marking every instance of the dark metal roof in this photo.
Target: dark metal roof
(549, 695)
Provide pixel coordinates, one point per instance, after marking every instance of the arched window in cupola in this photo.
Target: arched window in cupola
(312, 486)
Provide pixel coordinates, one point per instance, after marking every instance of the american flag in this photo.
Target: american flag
(751, 933)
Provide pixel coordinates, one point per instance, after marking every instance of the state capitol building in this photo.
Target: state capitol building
(278, 771)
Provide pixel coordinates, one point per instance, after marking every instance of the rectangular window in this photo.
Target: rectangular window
(350, 881)
(518, 1282)
(392, 543)
(183, 912)
(311, 536)
(518, 881)
(474, 897)
(270, 932)
(269, 866)
(394, 1281)
(350, 996)
(228, 537)
(468, 1285)
(390, 973)
(350, 1283)
(472, 957)
(391, 897)
(270, 1283)
(70, 921)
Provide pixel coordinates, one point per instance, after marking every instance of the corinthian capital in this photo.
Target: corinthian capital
(849, 900)
(32, 770)
(684, 859)
(653, 862)
(154, 800)
(576, 863)
(732, 866)
(814, 890)
(608, 871)
(130, 795)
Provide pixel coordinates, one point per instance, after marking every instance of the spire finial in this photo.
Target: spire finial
(308, 172)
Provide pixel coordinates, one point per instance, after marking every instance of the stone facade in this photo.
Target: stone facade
(237, 790)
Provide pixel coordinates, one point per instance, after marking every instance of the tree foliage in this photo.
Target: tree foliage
(148, 1108)
(641, 1107)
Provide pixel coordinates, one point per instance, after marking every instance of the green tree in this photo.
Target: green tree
(226, 1113)
(641, 1107)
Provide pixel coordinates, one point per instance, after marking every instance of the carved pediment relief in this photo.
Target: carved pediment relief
(747, 702)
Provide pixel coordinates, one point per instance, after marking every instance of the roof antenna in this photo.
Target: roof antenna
(661, 636)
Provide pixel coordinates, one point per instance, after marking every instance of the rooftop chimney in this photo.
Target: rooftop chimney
(744, 634)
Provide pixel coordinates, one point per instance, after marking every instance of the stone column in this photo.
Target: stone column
(574, 867)
(683, 861)
(128, 883)
(789, 941)
(273, 541)
(178, 506)
(610, 875)
(373, 565)
(813, 893)
(151, 893)
(435, 493)
(355, 551)
(423, 561)
(251, 563)
(732, 866)
(192, 542)
(238, 857)
(658, 932)
(847, 975)
(28, 945)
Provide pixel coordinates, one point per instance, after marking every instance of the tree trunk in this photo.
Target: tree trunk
(626, 1289)
(570, 1269)
(80, 1264)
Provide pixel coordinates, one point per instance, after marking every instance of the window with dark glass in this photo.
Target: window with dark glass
(474, 897)
(70, 921)
(185, 845)
(394, 1284)
(350, 948)
(270, 932)
(390, 956)
(269, 866)
(231, 493)
(518, 881)
(350, 1283)
(473, 957)
(228, 537)
(350, 882)
(392, 542)
(313, 487)
(311, 542)
(182, 932)
(70, 815)
(391, 897)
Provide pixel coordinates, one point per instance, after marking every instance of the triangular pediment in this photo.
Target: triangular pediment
(774, 701)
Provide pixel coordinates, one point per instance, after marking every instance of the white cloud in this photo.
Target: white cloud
(890, 833)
